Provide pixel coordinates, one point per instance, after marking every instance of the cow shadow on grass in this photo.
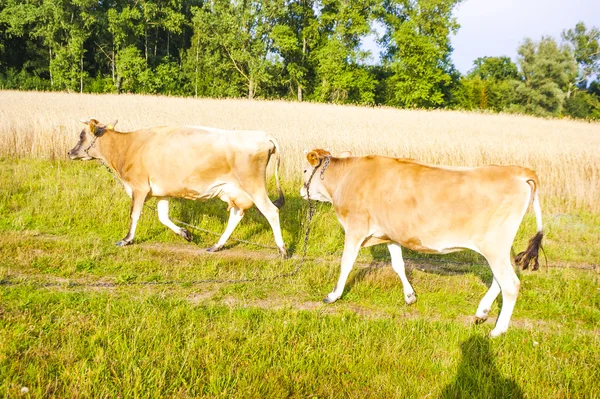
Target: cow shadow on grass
(462, 263)
(477, 375)
(254, 223)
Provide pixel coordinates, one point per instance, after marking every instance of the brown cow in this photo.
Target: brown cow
(431, 209)
(187, 162)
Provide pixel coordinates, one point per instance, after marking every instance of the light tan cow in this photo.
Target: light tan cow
(431, 209)
(195, 163)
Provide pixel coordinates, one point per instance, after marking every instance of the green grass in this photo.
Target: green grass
(59, 222)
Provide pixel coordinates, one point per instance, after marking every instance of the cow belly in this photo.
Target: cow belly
(157, 190)
(425, 243)
(234, 196)
(230, 193)
(443, 247)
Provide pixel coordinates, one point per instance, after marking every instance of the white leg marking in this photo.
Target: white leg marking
(266, 207)
(137, 202)
(235, 216)
(398, 266)
(485, 305)
(351, 247)
(162, 207)
(509, 284)
(128, 189)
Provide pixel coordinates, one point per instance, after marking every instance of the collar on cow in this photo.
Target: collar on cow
(91, 145)
(327, 160)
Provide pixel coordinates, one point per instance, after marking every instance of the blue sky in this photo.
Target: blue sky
(497, 27)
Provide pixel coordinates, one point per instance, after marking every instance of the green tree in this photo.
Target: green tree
(339, 62)
(583, 105)
(490, 84)
(418, 50)
(494, 68)
(548, 71)
(63, 26)
(131, 68)
(124, 23)
(235, 36)
(295, 36)
(207, 66)
(585, 45)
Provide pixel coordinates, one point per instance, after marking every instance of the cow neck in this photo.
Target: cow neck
(331, 172)
(112, 146)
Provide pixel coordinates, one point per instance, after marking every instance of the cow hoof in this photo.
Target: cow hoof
(482, 317)
(496, 333)
(329, 299)
(284, 253)
(123, 243)
(186, 234)
(214, 248)
(410, 298)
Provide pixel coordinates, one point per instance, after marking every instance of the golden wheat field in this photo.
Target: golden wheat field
(565, 153)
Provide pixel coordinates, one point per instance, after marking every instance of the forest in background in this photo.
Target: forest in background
(304, 50)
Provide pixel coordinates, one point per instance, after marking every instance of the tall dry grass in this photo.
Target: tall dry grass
(566, 154)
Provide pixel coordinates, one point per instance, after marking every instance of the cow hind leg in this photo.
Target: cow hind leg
(235, 216)
(485, 305)
(351, 248)
(398, 265)
(271, 212)
(162, 207)
(509, 285)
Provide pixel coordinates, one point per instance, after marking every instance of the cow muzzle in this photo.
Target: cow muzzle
(74, 155)
(304, 192)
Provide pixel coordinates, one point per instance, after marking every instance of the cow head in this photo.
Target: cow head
(84, 149)
(313, 175)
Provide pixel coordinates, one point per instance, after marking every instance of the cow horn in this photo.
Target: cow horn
(111, 126)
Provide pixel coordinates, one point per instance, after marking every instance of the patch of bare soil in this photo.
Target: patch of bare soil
(230, 253)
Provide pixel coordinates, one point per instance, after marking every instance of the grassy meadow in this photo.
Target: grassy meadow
(80, 317)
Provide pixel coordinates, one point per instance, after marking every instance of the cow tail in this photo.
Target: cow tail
(279, 202)
(525, 258)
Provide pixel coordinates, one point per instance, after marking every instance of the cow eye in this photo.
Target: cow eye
(304, 170)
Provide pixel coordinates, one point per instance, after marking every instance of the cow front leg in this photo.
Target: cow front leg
(398, 265)
(137, 203)
(351, 247)
(162, 207)
(235, 216)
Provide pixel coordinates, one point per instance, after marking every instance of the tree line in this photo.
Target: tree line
(288, 49)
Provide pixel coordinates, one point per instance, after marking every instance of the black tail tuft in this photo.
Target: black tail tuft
(525, 258)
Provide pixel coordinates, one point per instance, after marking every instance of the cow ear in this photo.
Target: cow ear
(100, 130)
(313, 158)
(345, 154)
(97, 128)
(93, 124)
